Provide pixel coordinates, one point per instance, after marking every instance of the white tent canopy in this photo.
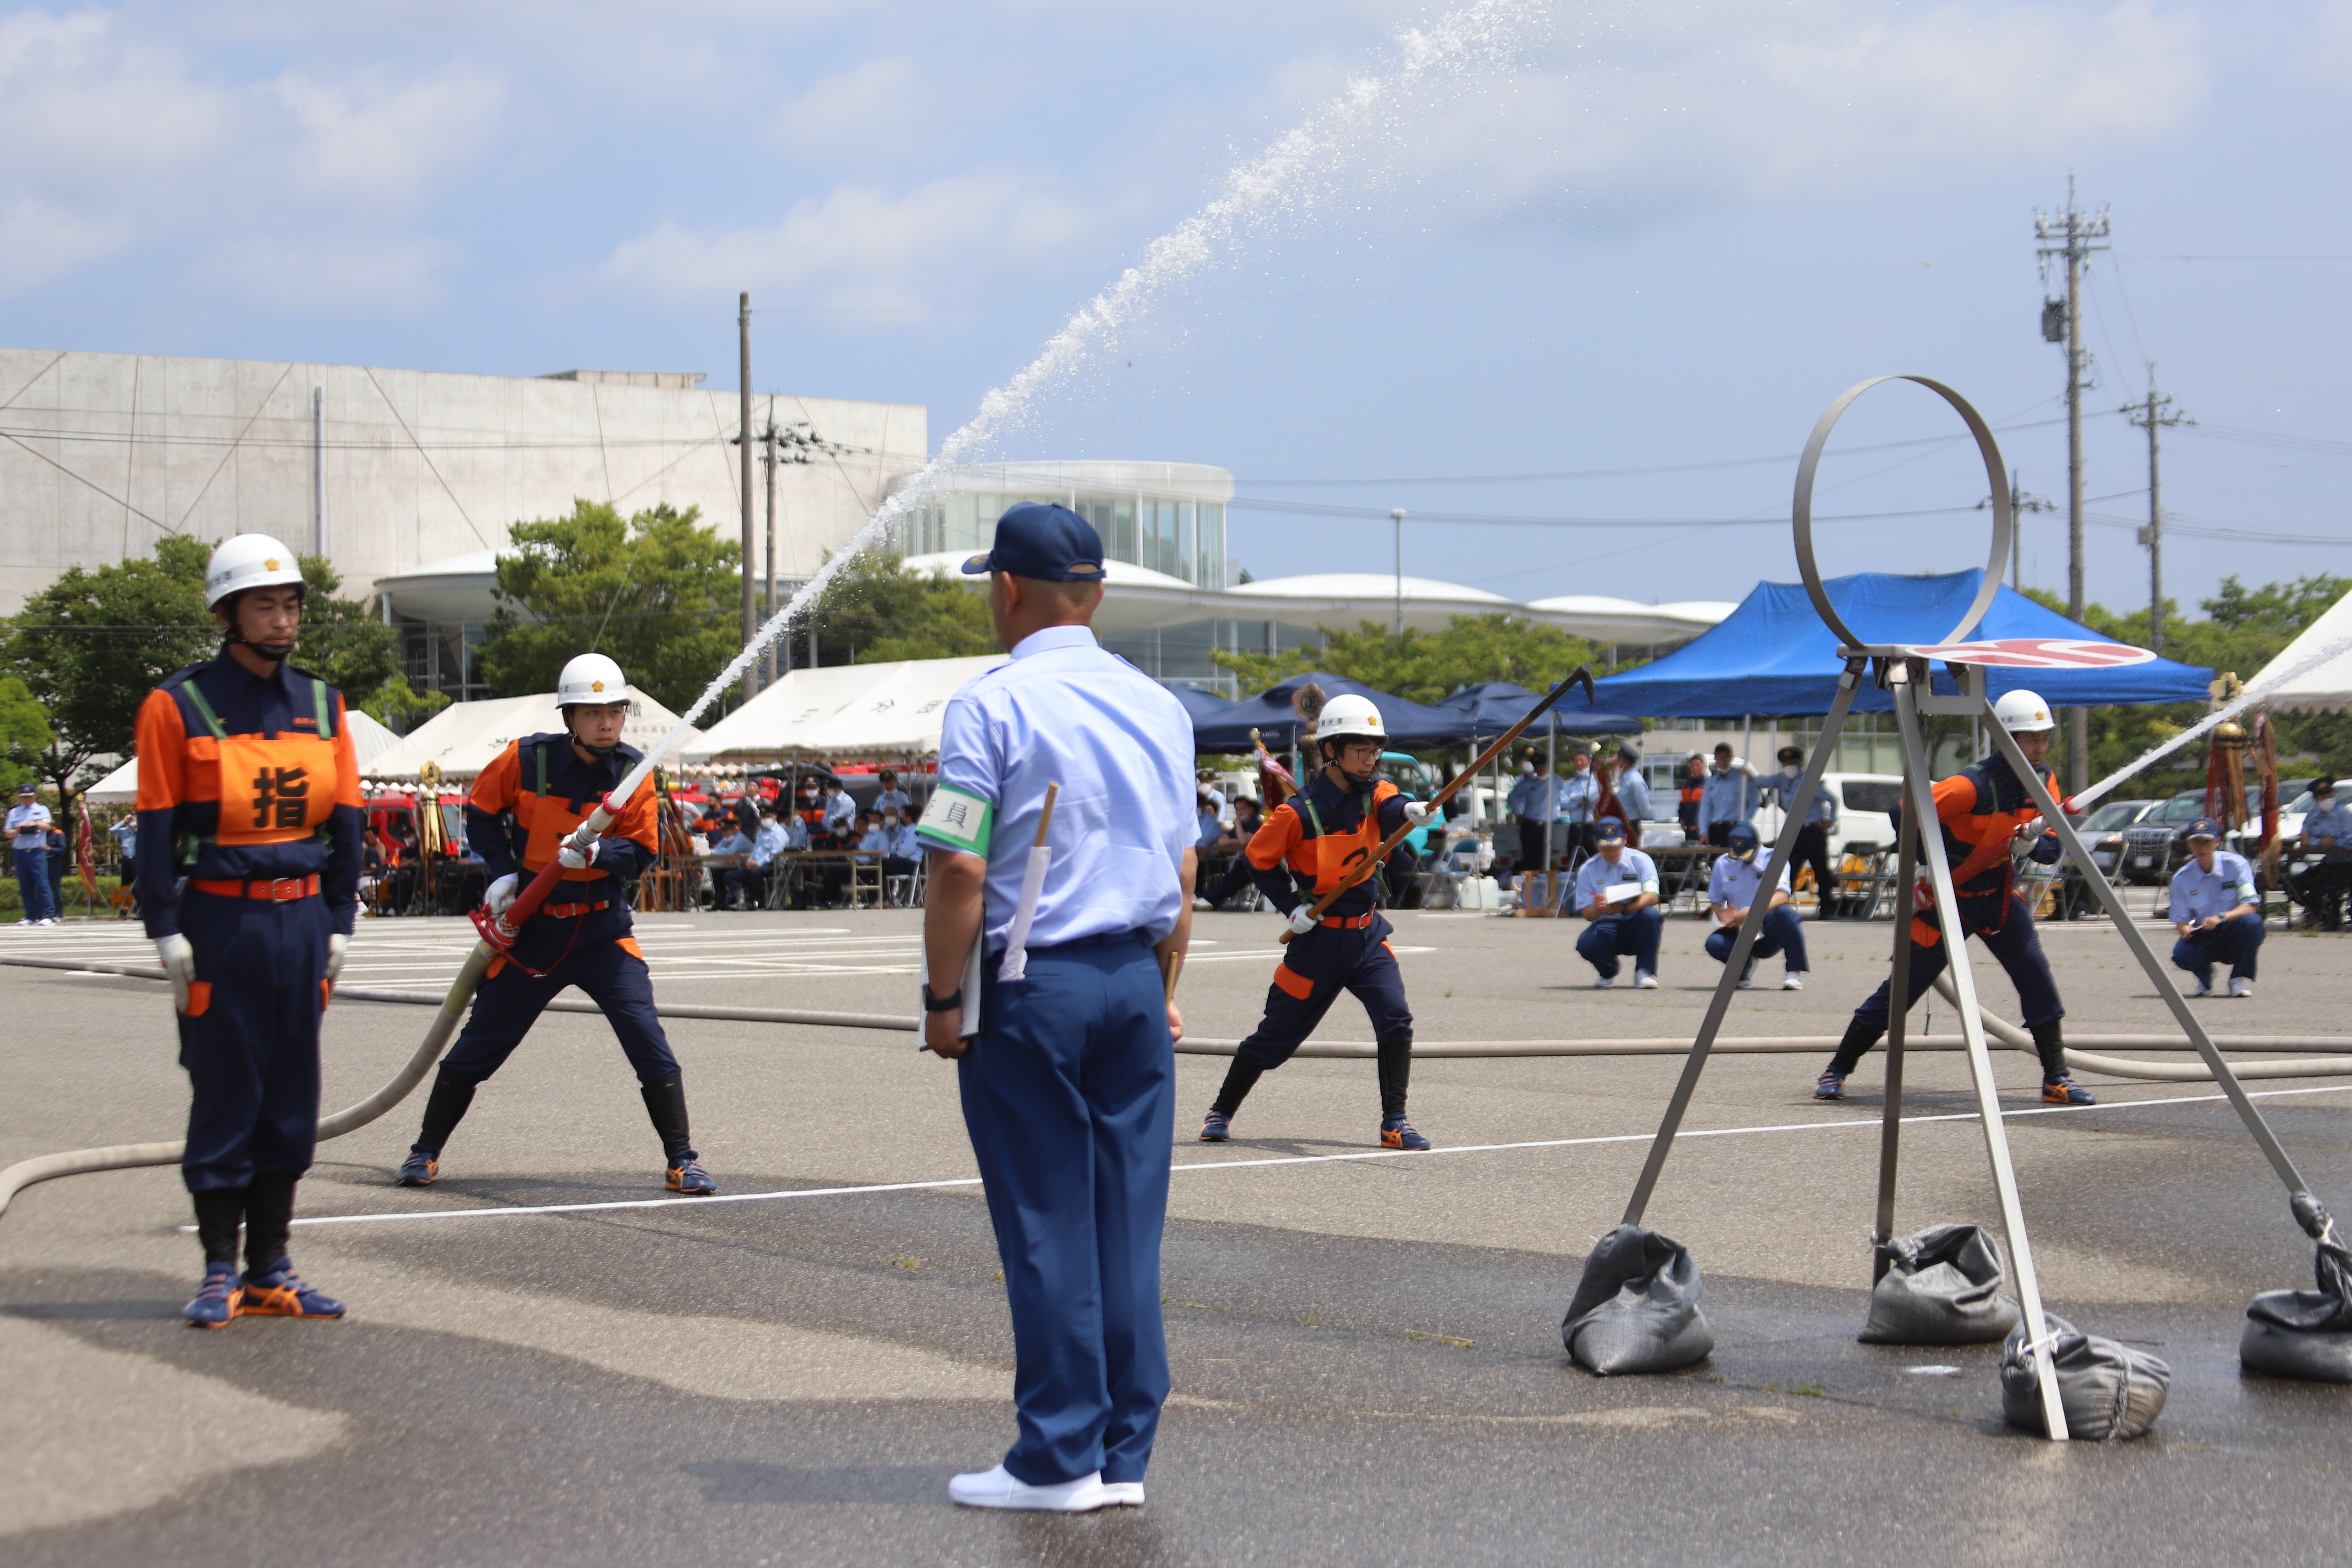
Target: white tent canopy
(465, 737)
(370, 741)
(846, 710)
(2327, 688)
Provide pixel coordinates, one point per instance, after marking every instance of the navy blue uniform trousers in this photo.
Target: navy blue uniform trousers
(2016, 944)
(1069, 1096)
(250, 1040)
(1326, 962)
(1782, 933)
(2234, 943)
(508, 1003)
(1613, 937)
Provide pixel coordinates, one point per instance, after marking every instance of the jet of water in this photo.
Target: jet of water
(2253, 694)
(1484, 30)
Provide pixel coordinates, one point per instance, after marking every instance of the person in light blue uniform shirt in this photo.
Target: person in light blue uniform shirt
(1731, 891)
(2216, 913)
(1812, 846)
(723, 877)
(1633, 792)
(1533, 802)
(1068, 1084)
(1579, 791)
(1729, 796)
(2327, 832)
(892, 797)
(766, 844)
(1629, 925)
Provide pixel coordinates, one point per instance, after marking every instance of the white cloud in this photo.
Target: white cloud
(858, 244)
(340, 270)
(877, 109)
(378, 143)
(2327, 52)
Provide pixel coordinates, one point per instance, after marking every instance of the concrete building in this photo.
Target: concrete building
(391, 472)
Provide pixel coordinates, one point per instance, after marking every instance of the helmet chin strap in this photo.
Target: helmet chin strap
(593, 750)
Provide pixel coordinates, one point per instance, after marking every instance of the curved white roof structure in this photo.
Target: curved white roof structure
(1604, 619)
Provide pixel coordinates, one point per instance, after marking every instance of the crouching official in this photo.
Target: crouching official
(1068, 1087)
(248, 758)
(1732, 890)
(532, 796)
(2216, 913)
(1617, 891)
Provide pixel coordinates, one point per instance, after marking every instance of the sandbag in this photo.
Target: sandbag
(2110, 1393)
(2305, 1334)
(1942, 1287)
(1636, 1308)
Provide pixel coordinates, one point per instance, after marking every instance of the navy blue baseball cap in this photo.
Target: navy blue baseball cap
(2204, 827)
(1609, 830)
(1743, 839)
(1050, 544)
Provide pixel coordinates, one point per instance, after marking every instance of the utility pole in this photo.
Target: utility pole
(2068, 237)
(2019, 503)
(2151, 416)
(1397, 517)
(768, 440)
(744, 440)
(318, 470)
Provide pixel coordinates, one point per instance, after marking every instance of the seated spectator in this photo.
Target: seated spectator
(1248, 818)
(840, 816)
(892, 797)
(759, 866)
(726, 874)
(1627, 924)
(2216, 913)
(2326, 833)
(1731, 890)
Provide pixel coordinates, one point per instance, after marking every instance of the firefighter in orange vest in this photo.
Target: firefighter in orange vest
(537, 791)
(1308, 846)
(244, 763)
(1989, 820)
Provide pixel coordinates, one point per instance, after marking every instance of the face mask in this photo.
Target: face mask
(1792, 770)
(2323, 803)
(891, 823)
(1528, 768)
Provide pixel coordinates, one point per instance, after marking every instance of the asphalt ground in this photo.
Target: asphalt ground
(1367, 1352)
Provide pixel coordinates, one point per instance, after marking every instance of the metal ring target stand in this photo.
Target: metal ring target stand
(1903, 673)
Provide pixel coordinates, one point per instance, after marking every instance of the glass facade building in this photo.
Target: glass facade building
(1167, 517)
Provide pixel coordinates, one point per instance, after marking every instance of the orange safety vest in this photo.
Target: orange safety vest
(267, 788)
(1320, 858)
(507, 787)
(1977, 838)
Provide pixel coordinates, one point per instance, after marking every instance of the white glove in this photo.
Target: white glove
(500, 896)
(1303, 920)
(1422, 813)
(179, 956)
(335, 947)
(576, 860)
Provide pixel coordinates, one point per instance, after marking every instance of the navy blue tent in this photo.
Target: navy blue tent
(1410, 726)
(1204, 706)
(1774, 656)
(1492, 707)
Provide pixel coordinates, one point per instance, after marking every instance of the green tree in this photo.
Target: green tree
(658, 592)
(24, 734)
(341, 643)
(396, 705)
(876, 610)
(1423, 667)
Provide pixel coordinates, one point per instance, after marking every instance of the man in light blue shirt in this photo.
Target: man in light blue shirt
(1580, 793)
(1632, 791)
(2326, 831)
(1812, 846)
(2216, 913)
(840, 813)
(892, 797)
(1617, 891)
(1731, 891)
(1729, 796)
(724, 875)
(760, 865)
(1067, 1078)
(1533, 802)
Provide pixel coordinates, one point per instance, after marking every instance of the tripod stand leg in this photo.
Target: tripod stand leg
(1793, 817)
(1898, 1010)
(1920, 808)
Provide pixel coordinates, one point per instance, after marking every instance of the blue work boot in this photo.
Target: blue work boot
(419, 1170)
(278, 1292)
(1396, 1132)
(2063, 1090)
(689, 1177)
(215, 1302)
(1216, 1128)
(1830, 1086)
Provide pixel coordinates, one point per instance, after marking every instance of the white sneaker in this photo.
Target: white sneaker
(999, 1489)
(2204, 988)
(1603, 982)
(1644, 980)
(1126, 1494)
(2240, 987)
(1748, 981)
(1203, 904)
(1794, 981)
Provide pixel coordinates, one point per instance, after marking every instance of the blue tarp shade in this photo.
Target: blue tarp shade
(1410, 726)
(1204, 706)
(1774, 656)
(1489, 709)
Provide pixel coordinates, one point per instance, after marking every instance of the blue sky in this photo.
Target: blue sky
(1652, 238)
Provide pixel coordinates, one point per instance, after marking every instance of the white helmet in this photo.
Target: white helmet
(590, 678)
(2023, 709)
(1350, 716)
(249, 560)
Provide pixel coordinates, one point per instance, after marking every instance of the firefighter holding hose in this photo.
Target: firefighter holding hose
(538, 790)
(1988, 818)
(246, 761)
(1309, 845)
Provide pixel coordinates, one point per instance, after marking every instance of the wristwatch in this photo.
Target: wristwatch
(947, 1004)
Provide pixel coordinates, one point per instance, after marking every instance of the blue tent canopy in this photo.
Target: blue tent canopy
(1410, 725)
(1204, 706)
(1774, 656)
(1492, 707)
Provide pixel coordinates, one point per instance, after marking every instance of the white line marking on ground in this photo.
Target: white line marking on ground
(1848, 1123)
